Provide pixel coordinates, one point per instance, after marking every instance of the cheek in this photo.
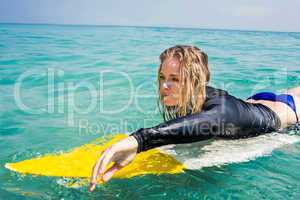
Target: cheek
(175, 91)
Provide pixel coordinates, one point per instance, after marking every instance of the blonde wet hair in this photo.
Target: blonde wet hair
(194, 76)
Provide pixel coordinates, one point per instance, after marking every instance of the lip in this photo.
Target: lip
(166, 94)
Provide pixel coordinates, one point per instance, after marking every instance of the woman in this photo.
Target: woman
(194, 111)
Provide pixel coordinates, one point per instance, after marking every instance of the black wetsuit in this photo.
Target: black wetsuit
(222, 115)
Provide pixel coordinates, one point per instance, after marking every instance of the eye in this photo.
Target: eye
(161, 77)
(175, 79)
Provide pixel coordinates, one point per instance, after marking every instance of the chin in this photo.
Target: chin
(167, 101)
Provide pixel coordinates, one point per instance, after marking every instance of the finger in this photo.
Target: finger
(95, 174)
(111, 171)
(96, 167)
(106, 160)
(95, 171)
(92, 187)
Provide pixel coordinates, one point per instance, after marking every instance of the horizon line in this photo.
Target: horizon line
(150, 26)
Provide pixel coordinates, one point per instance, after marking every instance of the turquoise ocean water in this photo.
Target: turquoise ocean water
(63, 86)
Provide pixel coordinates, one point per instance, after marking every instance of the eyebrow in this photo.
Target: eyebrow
(170, 75)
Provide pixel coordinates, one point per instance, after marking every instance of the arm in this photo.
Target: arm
(204, 125)
(224, 116)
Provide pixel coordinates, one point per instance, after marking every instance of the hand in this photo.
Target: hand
(121, 153)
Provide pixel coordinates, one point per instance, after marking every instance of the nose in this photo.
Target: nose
(165, 85)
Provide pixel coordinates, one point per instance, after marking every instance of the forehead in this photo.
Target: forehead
(170, 65)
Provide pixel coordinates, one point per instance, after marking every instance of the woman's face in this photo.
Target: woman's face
(169, 81)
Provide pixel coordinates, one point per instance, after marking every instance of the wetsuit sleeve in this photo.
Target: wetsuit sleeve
(225, 116)
(215, 120)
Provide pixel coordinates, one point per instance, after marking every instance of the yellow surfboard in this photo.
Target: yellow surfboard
(79, 162)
